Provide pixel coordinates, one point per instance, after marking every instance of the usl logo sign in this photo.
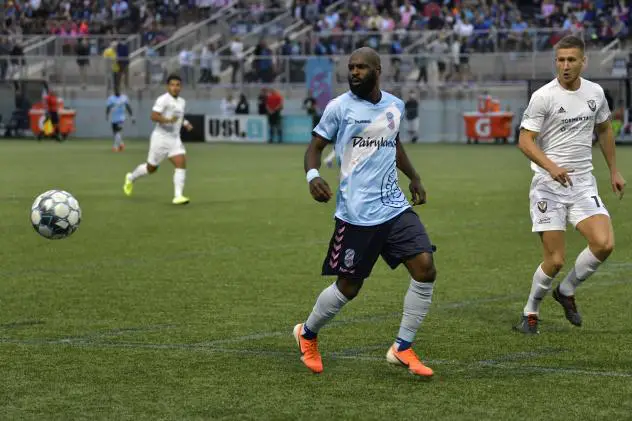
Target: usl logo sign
(238, 128)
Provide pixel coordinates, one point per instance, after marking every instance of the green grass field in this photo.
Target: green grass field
(156, 312)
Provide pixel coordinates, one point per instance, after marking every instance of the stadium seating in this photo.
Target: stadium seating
(416, 33)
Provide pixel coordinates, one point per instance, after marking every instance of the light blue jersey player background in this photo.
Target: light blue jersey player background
(364, 137)
(118, 106)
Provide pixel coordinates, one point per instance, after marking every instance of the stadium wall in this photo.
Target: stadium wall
(440, 120)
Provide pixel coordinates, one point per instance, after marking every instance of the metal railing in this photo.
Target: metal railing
(413, 70)
(66, 45)
(501, 40)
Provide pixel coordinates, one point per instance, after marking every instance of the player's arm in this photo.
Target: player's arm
(318, 187)
(185, 123)
(532, 121)
(107, 111)
(404, 164)
(157, 110)
(324, 133)
(605, 135)
(159, 118)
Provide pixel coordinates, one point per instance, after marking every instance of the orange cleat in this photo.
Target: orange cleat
(309, 350)
(409, 359)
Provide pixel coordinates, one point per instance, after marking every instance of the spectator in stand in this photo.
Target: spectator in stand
(17, 59)
(112, 66)
(243, 107)
(396, 62)
(122, 59)
(5, 50)
(209, 65)
(263, 64)
(83, 52)
(228, 105)
(236, 52)
(186, 59)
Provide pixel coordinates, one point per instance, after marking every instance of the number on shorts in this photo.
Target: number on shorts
(596, 201)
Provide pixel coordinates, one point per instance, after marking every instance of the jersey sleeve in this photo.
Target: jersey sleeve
(535, 114)
(329, 123)
(110, 101)
(160, 105)
(603, 112)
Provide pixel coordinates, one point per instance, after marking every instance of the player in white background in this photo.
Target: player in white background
(119, 106)
(165, 142)
(556, 135)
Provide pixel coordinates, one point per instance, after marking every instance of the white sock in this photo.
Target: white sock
(540, 285)
(139, 172)
(117, 140)
(416, 305)
(179, 175)
(328, 304)
(585, 265)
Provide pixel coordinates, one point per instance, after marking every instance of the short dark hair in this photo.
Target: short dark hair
(173, 77)
(571, 41)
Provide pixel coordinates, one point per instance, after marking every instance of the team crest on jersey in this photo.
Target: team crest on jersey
(349, 257)
(391, 122)
(592, 104)
(542, 206)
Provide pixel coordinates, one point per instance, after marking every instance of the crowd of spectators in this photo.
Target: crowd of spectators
(482, 25)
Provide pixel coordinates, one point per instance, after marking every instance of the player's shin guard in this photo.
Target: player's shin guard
(540, 286)
(416, 305)
(179, 177)
(585, 265)
(328, 304)
(138, 172)
(117, 140)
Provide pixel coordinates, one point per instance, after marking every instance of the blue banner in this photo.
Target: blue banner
(297, 129)
(319, 77)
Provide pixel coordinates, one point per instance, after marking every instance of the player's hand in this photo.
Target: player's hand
(188, 127)
(561, 175)
(618, 183)
(133, 120)
(418, 192)
(320, 190)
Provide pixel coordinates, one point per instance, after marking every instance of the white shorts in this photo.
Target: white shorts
(552, 205)
(161, 147)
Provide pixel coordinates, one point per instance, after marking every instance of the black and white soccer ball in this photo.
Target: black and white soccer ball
(55, 214)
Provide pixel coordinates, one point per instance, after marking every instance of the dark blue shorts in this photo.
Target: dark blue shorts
(117, 127)
(353, 249)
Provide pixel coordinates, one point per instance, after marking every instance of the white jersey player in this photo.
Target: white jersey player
(165, 142)
(556, 134)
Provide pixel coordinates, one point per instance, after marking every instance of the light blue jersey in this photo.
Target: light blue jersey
(364, 136)
(119, 109)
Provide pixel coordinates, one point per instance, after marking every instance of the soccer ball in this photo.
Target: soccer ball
(55, 214)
